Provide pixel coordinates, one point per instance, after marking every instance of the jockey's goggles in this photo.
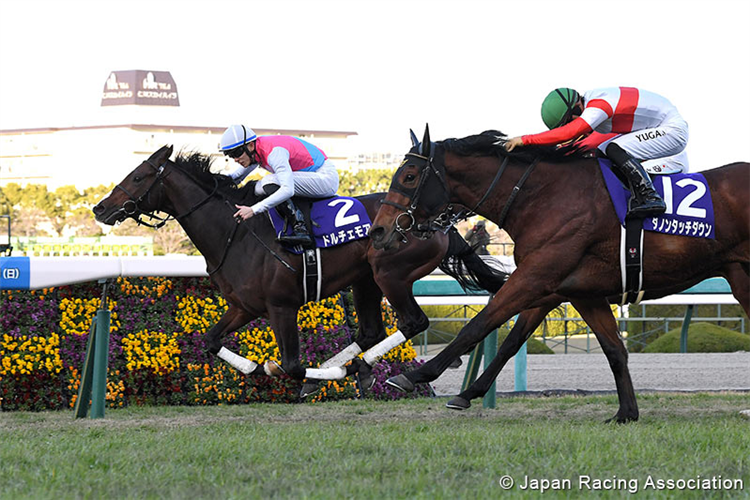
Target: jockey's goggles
(236, 152)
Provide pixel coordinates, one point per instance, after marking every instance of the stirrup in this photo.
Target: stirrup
(296, 238)
(648, 208)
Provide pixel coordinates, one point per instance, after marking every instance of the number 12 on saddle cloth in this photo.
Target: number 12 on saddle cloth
(690, 211)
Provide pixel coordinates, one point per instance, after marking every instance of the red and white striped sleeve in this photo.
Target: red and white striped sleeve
(572, 130)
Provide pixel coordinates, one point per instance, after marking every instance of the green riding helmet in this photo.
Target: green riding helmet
(557, 107)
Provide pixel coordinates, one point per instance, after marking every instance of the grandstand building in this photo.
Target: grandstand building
(139, 114)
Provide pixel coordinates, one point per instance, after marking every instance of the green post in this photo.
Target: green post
(94, 374)
(84, 390)
(472, 367)
(490, 351)
(520, 364)
(101, 354)
(685, 326)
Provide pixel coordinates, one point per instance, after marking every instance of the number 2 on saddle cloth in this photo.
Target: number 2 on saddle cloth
(335, 221)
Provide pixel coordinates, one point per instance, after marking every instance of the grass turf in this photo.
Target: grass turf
(363, 449)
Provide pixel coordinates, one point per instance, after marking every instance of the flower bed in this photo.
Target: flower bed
(156, 348)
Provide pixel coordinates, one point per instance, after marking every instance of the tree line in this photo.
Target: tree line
(36, 211)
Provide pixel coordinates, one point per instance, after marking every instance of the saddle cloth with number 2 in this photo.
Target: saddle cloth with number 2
(690, 211)
(335, 221)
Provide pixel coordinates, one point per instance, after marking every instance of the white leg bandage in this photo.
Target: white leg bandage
(242, 364)
(378, 351)
(332, 373)
(343, 357)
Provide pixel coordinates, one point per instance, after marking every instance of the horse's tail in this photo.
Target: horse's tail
(465, 266)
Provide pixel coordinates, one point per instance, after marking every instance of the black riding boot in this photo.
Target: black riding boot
(294, 216)
(644, 200)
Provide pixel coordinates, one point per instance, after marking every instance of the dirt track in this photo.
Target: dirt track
(591, 372)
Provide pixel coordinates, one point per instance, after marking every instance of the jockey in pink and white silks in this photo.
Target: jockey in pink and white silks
(642, 126)
(296, 168)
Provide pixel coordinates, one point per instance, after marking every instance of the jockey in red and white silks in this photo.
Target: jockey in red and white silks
(647, 125)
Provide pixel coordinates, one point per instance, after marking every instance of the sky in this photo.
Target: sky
(382, 67)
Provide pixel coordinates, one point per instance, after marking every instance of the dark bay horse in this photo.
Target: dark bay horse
(245, 262)
(567, 240)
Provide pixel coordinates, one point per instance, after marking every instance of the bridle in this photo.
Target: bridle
(448, 217)
(132, 206)
(443, 221)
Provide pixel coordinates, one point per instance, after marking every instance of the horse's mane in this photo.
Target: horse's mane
(198, 166)
(488, 143)
(492, 143)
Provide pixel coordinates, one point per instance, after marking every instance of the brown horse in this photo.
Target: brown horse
(566, 238)
(258, 278)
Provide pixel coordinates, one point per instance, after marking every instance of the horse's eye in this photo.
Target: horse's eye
(410, 178)
(137, 178)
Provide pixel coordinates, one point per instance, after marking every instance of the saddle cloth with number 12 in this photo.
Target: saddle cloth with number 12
(690, 211)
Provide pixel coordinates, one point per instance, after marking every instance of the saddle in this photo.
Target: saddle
(689, 213)
(331, 222)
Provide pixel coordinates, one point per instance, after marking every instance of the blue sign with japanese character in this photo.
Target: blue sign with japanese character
(15, 273)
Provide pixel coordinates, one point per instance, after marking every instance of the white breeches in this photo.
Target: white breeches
(661, 150)
(322, 183)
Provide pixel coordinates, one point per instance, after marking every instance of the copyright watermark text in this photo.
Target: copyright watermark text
(614, 483)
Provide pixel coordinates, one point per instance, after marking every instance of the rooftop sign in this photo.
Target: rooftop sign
(144, 88)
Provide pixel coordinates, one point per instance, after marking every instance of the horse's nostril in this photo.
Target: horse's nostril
(377, 232)
(99, 209)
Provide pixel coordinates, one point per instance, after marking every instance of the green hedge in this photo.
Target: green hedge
(702, 337)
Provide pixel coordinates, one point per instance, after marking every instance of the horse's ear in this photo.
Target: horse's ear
(426, 141)
(414, 140)
(162, 155)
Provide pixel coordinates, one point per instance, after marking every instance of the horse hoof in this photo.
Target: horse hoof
(456, 363)
(401, 383)
(458, 403)
(366, 377)
(366, 383)
(308, 388)
(273, 369)
(619, 419)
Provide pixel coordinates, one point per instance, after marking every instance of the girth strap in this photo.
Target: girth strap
(631, 260)
(312, 275)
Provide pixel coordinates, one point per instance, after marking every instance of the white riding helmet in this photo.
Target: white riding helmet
(236, 136)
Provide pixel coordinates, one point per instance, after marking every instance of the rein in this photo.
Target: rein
(499, 174)
(260, 240)
(516, 190)
(226, 248)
